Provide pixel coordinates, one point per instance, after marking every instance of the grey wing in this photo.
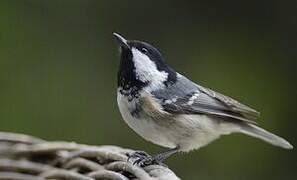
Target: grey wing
(234, 105)
(186, 97)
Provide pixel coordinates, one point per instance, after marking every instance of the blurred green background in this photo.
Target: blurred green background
(58, 65)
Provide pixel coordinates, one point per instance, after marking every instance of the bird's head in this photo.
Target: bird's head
(142, 66)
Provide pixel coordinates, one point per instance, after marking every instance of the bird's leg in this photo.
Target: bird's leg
(164, 155)
(143, 159)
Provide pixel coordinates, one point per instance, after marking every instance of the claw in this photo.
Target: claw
(136, 161)
(143, 159)
(138, 155)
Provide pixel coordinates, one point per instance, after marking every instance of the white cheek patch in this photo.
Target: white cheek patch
(146, 71)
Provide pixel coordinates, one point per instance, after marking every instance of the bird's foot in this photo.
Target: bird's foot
(143, 159)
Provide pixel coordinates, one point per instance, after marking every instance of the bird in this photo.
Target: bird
(169, 110)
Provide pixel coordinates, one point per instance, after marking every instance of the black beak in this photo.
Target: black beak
(122, 41)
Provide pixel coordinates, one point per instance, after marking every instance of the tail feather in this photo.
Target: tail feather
(255, 131)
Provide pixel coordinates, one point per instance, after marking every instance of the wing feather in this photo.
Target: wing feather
(186, 97)
(234, 105)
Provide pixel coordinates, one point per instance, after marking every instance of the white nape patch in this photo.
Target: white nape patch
(192, 99)
(146, 71)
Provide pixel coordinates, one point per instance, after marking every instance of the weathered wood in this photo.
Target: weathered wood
(24, 157)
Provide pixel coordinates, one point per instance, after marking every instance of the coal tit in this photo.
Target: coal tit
(168, 109)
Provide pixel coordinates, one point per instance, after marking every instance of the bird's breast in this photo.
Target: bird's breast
(142, 123)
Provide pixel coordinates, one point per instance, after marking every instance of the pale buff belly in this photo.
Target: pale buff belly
(186, 131)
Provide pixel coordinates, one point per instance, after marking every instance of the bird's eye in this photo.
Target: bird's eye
(144, 50)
